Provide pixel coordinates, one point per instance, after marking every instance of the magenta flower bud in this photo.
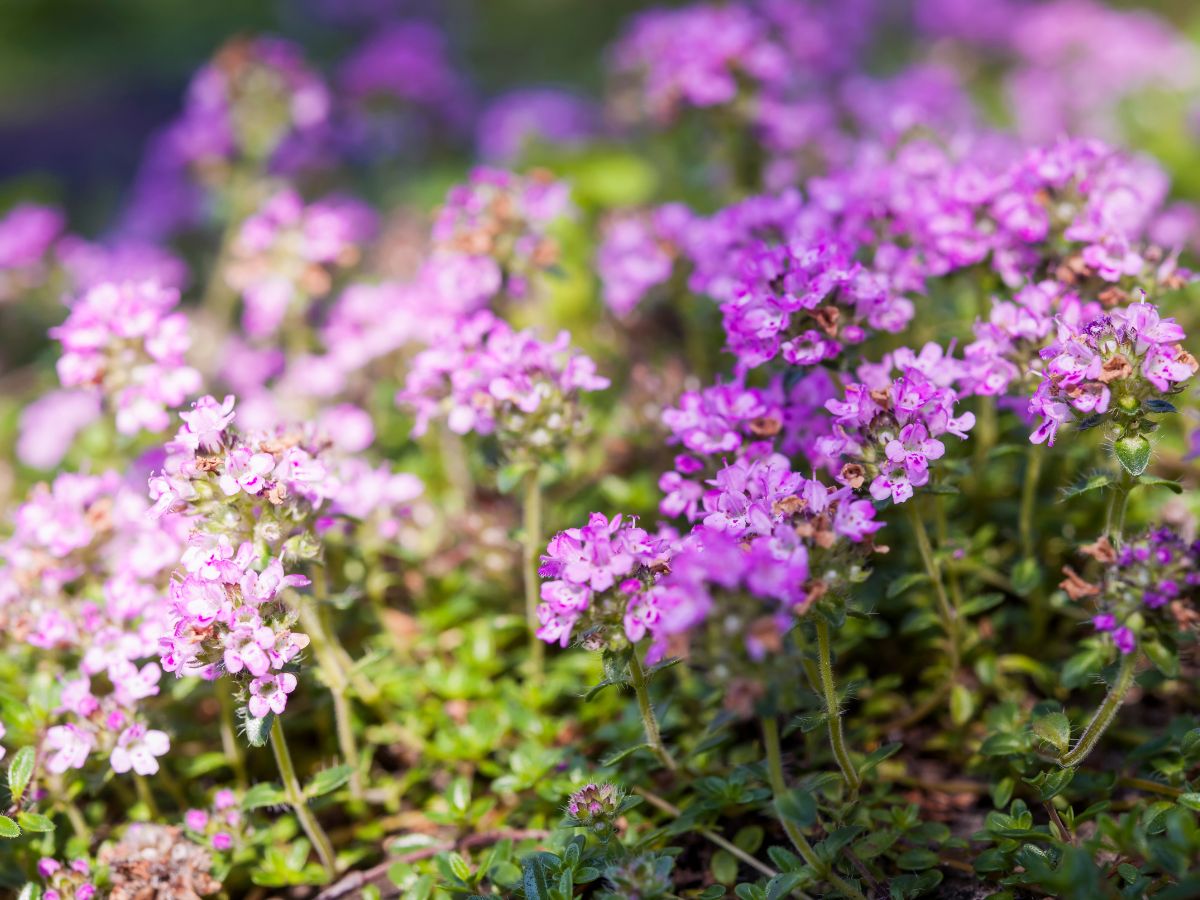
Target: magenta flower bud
(47, 866)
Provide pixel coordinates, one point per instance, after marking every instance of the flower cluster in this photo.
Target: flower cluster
(257, 102)
(73, 881)
(221, 826)
(1114, 368)
(1147, 589)
(533, 116)
(83, 585)
(596, 806)
(887, 428)
(285, 252)
(252, 500)
(696, 56)
(634, 257)
(491, 234)
(768, 531)
(788, 416)
(27, 234)
(124, 340)
(486, 378)
(399, 82)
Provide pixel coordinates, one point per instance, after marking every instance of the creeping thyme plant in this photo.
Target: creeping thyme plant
(761, 464)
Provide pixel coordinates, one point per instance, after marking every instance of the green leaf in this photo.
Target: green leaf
(724, 867)
(258, 731)
(782, 885)
(1026, 576)
(1091, 483)
(1055, 729)
(962, 704)
(509, 477)
(1002, 791)
(904, 582)
(982, 603)
(1155, 481)
(264, 794)
(1159, 405)
(879, 755)
(712, 892)
(459, 866)
(1164, 660)
(917, 859)
(798, 806)
(20, 770)
(535, 877)
(1191, 801)
(31, 891)
(1133, 453)
(1051, 784)
(328, 781)
(621, 754)
(31, 821)
(8, 828)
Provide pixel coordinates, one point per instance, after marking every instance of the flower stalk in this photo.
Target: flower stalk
(1104, 715)
(637, 675)
(295, 794)
(531, 543)
(833, 713)
(946, 611)
(770, 730)
(335, 678)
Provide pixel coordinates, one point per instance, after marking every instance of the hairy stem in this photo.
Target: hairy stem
(229, 741)
(1114, 526)
(649, 722)
(833, 712)
(335, 678)
(948, 614)
(779, 787)
(531, 545)
(1104, 714)
(732, 849)
(1033, 471)
(291, 785)
(316, 621)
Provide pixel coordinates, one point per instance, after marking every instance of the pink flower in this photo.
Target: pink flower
(138, 748)
(67, 747)
(269, 694)
(245, 471)
(205, 424)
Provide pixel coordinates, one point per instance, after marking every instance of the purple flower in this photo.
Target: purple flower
(526, 116)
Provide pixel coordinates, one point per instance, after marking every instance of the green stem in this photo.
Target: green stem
(1104, 715)
(711, 836)
(1114, 525)
(229, 741)
(833, 712)
(291, 785)
(146, 796)
(316, 621)
(948, 613)
(779, 787)
(1033, 471)
(649, 723)
(78, 823)
(531, 546)
(335, 678)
